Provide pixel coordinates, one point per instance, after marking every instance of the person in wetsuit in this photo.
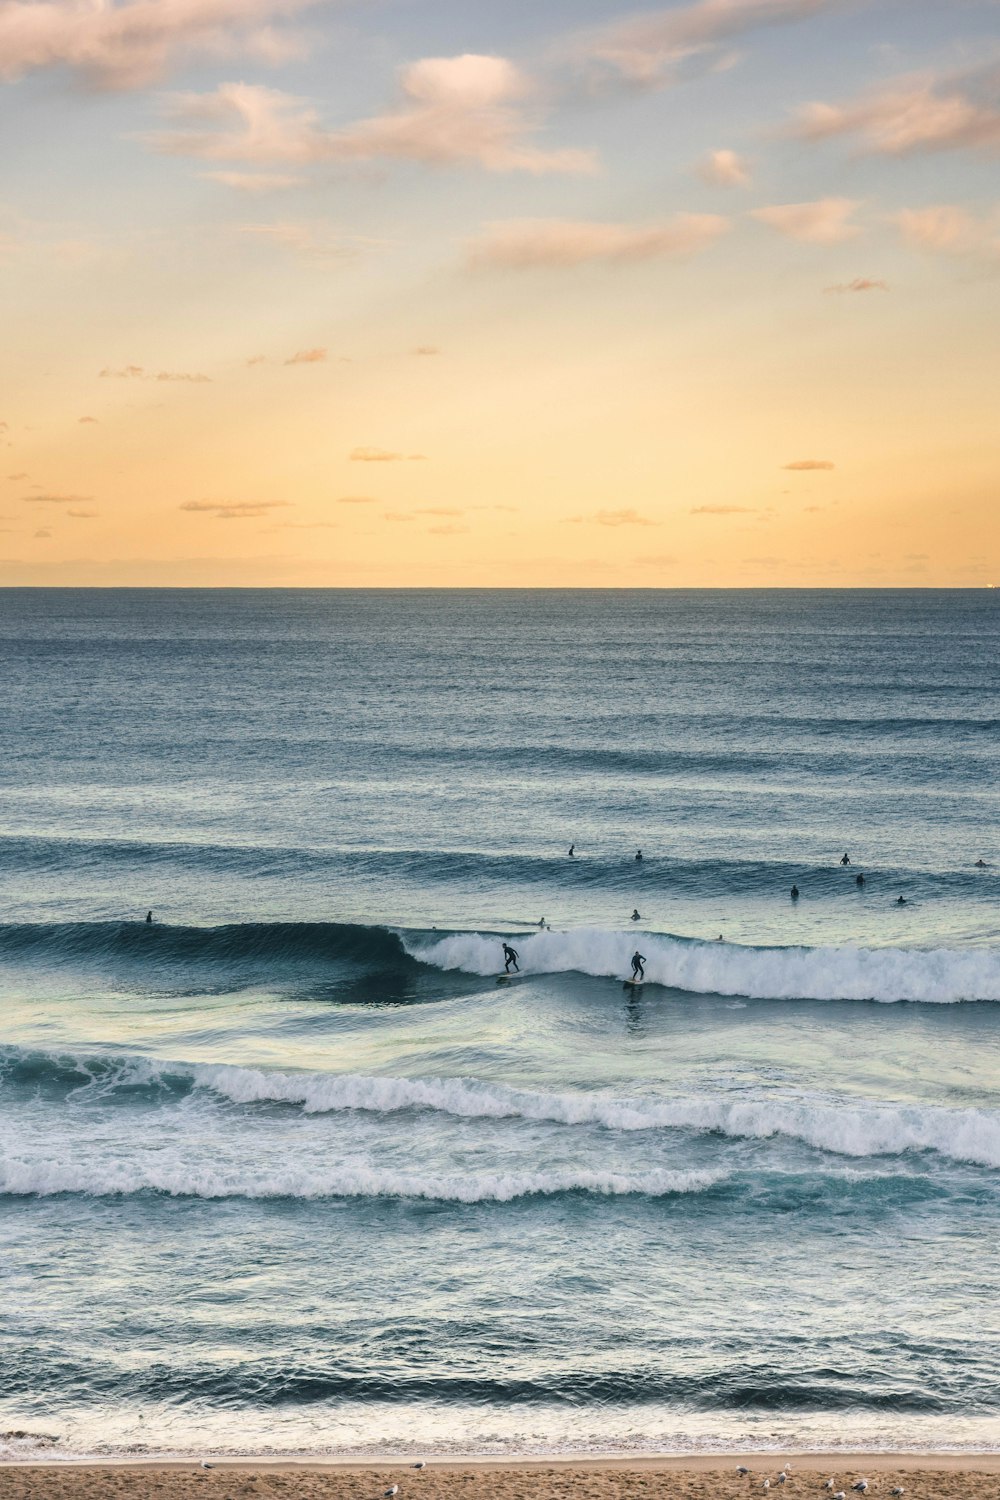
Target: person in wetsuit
(572, 849)
(638, 856)
(510, 957)
(638, 969)
(859, 881)
(900, 900)
(794, 893)
(846, 859)
(635, 914)
(149, 916)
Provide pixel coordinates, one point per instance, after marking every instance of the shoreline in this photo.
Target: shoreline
(758, 1461)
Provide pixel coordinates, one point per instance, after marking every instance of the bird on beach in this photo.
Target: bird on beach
(206, 1465)
(782, 1477)
(898, 1490)
(420, 1465)
(766, 1485)
(391, 1491)
(861, 1486)
(828, 1485)
(742, 1469)
(840, 1495)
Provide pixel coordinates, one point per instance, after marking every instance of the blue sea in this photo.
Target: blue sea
(286, 1169)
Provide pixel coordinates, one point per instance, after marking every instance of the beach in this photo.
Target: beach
(923, 1476)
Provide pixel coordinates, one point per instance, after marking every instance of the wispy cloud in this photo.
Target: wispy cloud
(253, 183)
(128, 45)
(51, 499)
(949, 229)
(914, 113)
(724, 169)
(439, 510)
(648, 49)
(859, 284)
(451, 110)
(382, 456)
(722, 510)
(233, 510)
(532, 244)
(809, 465)
(88, 419)
(83, 515)
(426, 349)
(611, 518)
(307, 357)
(826, 221)
(356, 500)
(136, 372)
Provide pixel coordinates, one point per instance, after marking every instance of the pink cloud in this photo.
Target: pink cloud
(823, 222)
(452, 110)
(307, 357)
(532, 244)
(382, 456)
(56, 499)
(233, 510)
(722, 510)
(129, 45)
(860, 284)
(810, 465)
(918, 112)
(724, 169)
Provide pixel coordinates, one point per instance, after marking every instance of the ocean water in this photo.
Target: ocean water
(288, 1171)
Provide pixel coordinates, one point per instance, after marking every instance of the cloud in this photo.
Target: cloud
(810, 465)
(859, 284)
(824, 222)
(307, 357)
(451, 111)
(15, 477)
(916, 113)
(83, 515)
(397, 515)
(88, 419)
(42, 531)
(253, 182)
(643, 50)
(136, 372)
(724, 169)
(382, 456)
(233, 510)
(128, 45)
(722, 510)
(439, 510)
(622, 518)
(355, 500)
(57, 499)
(426, 349)
(951, 230)
(531, 244)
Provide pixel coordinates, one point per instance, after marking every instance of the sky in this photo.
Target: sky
(500, 293)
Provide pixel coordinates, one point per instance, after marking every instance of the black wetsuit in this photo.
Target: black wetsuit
(510, 957)
(638, 972)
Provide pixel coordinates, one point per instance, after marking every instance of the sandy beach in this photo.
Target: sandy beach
(922, 1476)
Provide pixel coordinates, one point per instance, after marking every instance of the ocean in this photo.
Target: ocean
(286, 1170)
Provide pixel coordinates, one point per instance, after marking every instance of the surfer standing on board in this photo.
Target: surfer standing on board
(638, 970)
(510, 957)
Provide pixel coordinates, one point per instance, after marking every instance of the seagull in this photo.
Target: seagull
(840, 1495)
(420, 1465)
(861, 1486)
(782, 1477)
(828, 1485)
(898, 1490)
(742, 1469)
(766, 1485)
(391, 1491)
(206, 1465)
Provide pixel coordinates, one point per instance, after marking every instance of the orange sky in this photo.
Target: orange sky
(707, 297)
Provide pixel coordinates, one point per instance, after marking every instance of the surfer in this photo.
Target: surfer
(795, 893)
(149, 916)
(635, 914)
(900, 900)
(510, 957)
(859, 880)
(638, 969)
(572, 851)
(980, 864)
(541, 924)
(638, 856)
(846, 859)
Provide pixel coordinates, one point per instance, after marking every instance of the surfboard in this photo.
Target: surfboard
(633, 984)
(507, 978)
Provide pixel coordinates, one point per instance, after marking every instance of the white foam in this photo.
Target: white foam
(844, 1127)
(933, 976)
(23, 1178)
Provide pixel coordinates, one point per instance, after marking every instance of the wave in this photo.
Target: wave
(887, 975)
(185, 1180)
(839, 1127)
(932, 976)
